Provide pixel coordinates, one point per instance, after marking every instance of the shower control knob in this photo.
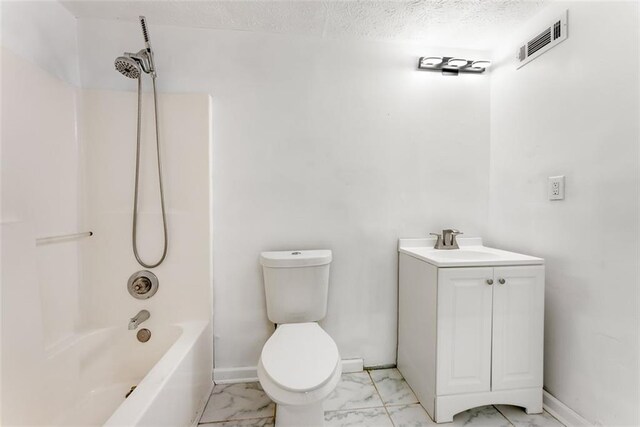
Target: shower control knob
(142, 284)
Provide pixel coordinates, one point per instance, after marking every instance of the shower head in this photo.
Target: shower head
(128, 66)
(132, 64)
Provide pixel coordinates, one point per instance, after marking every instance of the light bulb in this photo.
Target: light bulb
(431, 61)
(457, 62)
(483, 63)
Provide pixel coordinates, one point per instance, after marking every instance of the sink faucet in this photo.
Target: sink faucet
(446, 240)
(138, 319)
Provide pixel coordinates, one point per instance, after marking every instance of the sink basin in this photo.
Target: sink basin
(472, 253)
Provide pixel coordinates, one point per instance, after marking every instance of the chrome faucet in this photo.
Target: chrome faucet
(138, 319)
(446, 240)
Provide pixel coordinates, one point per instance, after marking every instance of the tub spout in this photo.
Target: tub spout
(138, 319)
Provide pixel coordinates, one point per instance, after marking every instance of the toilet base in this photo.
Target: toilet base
(300, 415)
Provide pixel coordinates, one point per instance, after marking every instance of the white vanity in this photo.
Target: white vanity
(470, 326)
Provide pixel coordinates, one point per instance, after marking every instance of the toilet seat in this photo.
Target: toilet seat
(300, 357)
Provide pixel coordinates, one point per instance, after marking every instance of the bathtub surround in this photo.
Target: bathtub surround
(567, 114)
(109, 129)
(40, 284)
(39, 86)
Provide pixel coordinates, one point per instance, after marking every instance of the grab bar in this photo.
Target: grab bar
(62, 238)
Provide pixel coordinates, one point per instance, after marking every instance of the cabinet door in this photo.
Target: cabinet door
(518, 327)
(464, 330)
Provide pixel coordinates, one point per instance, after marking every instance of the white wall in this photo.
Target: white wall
(45, 33)
(318, 144)
(574, 111)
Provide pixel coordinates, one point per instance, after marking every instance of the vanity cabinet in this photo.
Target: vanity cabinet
(471, 336)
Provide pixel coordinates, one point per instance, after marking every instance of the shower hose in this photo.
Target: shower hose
(134, 234)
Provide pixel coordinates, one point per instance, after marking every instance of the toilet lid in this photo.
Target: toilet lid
(300, 356)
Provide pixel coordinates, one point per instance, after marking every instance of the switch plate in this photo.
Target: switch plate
(556, 187)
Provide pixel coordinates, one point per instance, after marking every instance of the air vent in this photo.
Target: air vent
(539, 42)
(548, 38)
(556, 29)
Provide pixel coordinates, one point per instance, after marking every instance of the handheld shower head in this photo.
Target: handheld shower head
(145, 33)
(128, 66)
(147, 44)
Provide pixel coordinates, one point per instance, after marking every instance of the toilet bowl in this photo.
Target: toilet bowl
(298, 368)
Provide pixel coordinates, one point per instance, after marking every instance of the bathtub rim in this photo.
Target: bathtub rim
(135, 406)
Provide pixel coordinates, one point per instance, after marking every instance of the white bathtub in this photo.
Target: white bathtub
(172, 372)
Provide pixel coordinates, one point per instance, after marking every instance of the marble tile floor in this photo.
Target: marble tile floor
(372, 398)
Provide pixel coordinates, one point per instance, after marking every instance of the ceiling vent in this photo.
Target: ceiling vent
(547, 39)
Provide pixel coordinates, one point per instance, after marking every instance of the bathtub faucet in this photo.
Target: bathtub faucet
(138, 319)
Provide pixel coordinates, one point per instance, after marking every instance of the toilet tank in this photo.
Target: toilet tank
(296, 285)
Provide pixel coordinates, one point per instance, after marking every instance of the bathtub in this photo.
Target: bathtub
(171, 372)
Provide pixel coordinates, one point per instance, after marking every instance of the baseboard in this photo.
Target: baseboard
(562, 412)
(385, 366)
(352, 365)
(247, 374)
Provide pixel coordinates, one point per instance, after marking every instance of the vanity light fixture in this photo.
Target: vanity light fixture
(450, 65)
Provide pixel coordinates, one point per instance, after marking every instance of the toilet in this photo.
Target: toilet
(299, 365)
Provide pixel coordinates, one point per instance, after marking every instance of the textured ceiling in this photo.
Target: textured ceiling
(475, 24)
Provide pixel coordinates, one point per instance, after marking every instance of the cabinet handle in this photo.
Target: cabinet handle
(489, 281)
(502, 281)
